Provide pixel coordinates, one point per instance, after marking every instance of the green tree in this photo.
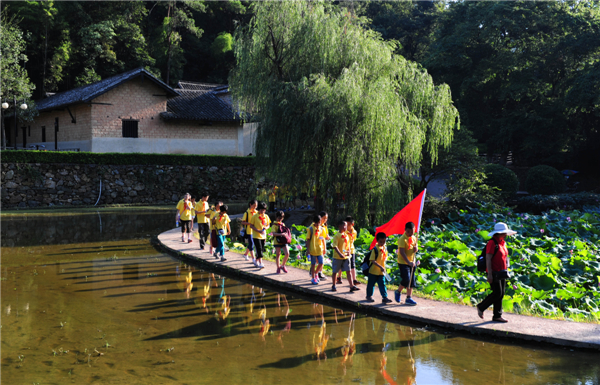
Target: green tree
(510, 78)
(15, 81)
(335, 104)
(411, 23)
(179, 19)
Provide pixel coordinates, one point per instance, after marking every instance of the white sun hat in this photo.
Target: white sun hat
(502, 228)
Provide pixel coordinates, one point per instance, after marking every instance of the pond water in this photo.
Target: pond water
(87, 299)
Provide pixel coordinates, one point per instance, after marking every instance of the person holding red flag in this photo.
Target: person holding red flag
(407, 248)
(410, 213)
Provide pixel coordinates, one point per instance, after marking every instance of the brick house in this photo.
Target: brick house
(137, 112)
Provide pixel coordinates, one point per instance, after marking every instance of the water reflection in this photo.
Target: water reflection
(147, 318)
(97, 227)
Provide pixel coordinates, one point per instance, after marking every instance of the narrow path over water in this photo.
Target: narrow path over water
(443, 314)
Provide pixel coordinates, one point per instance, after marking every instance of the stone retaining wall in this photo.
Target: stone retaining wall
(35, 184)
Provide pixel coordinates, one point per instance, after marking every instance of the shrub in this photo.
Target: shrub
(544, 180)
(502, 178)
(117, 158)
(540, 203)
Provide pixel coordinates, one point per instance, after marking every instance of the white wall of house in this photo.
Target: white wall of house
(249, 138)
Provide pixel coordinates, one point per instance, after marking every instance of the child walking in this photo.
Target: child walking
(184, 215)
(213, 232)
(260, 223)
(223, 229)
(203, 219)
(376, 271)
(407, 248)
(341, 256)
(325, 237)
(315, 248)
(248, 230)
(279, 246)
(352, 234)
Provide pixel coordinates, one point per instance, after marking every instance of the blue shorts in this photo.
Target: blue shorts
(405, 276)
(315, 258)
(249, 243)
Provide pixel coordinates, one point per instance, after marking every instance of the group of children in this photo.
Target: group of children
(213, 222)
(256, 225)
(284, 198)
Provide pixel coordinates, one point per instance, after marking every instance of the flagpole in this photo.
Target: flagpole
(421, 212)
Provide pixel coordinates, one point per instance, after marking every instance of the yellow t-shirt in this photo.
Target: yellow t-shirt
(213, 213)
(260, 221)
(221, 221)
(304, 188)
(381, 258)
(185, 210)
(247, 218)
(315, 246)
(342, 241)
(325, 235)
(202, 206)
(275, 229)
(272, 196)
(407, 243)
(353, 234)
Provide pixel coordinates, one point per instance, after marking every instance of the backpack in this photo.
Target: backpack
(366, 264)
(481, 262)
(286, 238)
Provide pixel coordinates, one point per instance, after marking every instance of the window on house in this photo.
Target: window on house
(43, 133)
(130, 128)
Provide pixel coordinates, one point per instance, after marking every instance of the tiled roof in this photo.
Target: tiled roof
(87, 93)
(195, 86)
(194, 105)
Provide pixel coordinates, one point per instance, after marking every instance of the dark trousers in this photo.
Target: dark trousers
(271, 206)
(495, 298)
(380, 281)
(203, 231)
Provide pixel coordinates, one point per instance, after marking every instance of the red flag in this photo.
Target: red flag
(410, 213)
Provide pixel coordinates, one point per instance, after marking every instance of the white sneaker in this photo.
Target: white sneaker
(246, 258)
(254, 262)
(261, 266)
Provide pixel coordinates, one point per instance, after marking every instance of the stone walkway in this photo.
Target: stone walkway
(429, 312)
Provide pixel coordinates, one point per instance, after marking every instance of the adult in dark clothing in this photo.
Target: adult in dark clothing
(496, 255)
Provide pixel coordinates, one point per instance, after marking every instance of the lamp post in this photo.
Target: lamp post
(5, 106)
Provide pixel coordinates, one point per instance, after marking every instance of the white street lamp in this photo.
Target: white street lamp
(4, 106)
(23, 106)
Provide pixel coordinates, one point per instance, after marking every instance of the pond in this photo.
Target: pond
(86, 299)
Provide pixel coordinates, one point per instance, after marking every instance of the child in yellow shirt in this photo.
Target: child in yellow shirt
(221, 222)
(213, 232)
(377, 269)
(259, 223)
(248, 230)
(314, 246)
(184, 215)
(279, 246)
(203, 219)
(341, 255)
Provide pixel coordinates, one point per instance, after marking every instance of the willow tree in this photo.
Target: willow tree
(335, 104)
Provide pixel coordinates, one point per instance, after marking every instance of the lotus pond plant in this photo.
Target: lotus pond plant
(554, 259)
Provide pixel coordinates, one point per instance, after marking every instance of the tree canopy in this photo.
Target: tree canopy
(15, 80)
(335, 104)
(522, 74)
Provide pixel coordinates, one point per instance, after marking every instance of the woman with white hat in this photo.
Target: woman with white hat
(496, 255)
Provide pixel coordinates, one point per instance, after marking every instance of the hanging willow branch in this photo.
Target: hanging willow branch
(335, 104)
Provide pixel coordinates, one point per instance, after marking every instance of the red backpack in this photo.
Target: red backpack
(286, 238)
